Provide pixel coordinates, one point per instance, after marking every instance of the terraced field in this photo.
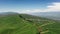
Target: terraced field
(27, 24)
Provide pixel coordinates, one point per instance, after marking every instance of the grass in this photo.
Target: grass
(14, 24)
(48, 26)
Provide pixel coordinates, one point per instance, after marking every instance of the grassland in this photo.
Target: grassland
(28, 24)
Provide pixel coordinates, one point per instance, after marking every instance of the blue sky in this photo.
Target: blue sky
(29, 6)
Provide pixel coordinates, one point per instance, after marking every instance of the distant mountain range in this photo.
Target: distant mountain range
(50, 15)
(7, 13)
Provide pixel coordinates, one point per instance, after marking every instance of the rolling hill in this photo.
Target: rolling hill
(13, 24)
(28, 24)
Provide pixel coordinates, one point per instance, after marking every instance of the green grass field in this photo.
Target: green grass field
(14, 24)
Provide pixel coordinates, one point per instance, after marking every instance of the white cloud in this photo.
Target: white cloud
(50, 8)
(53, 7)
(30, 11)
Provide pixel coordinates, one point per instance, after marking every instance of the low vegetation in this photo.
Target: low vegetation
(28, 24)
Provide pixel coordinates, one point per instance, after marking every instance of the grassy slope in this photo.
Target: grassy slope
(15, 25)
(52, 26)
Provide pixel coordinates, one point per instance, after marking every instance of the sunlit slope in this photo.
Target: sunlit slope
(13, 24)
(47, 26)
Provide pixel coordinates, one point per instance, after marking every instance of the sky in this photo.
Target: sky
(29, 6)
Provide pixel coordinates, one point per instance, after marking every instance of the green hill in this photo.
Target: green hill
(13, 24)
(28, 24)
